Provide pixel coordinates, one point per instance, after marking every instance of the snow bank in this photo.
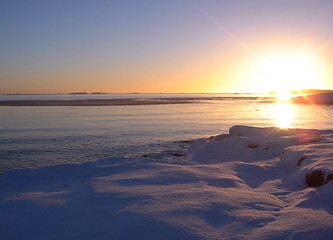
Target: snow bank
(321, 98)
(252, 183)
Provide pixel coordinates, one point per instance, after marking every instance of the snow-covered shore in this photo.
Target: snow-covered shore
(320, 98)
(253, 183)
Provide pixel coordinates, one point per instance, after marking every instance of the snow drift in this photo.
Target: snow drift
(253, 183)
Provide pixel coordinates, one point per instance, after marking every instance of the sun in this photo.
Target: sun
(285, 73)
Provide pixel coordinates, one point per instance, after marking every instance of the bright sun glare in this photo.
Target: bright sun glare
(283, 114)
(285, 73)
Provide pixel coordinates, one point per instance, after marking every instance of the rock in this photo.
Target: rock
(315, 179)
(252, 145)
(301, 160)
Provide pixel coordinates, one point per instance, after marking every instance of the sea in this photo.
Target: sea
(37, 136)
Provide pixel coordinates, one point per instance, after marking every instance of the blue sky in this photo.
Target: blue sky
(150, 46)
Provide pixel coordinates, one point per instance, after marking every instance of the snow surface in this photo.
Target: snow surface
(320, 98)
(248, 184)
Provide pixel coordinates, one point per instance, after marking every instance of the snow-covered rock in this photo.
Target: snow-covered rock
(320, 98)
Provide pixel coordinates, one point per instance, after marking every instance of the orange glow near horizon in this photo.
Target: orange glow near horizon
(279, 70)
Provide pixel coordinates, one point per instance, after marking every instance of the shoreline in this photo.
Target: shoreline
(122, 102)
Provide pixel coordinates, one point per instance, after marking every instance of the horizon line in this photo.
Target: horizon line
(97, 93)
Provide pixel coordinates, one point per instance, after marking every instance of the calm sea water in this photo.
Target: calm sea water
(41, 136)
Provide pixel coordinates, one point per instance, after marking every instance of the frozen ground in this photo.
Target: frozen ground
(253, 183)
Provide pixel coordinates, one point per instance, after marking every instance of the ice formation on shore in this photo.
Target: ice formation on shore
(253, 183)
(320, 98)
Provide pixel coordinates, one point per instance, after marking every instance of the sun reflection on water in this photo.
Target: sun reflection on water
(283, 113)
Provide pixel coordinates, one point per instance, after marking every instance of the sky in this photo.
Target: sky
(175, 46)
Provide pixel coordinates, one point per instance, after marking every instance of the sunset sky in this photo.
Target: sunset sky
(154, 46)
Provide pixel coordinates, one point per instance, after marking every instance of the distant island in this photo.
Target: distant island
(80, 93)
